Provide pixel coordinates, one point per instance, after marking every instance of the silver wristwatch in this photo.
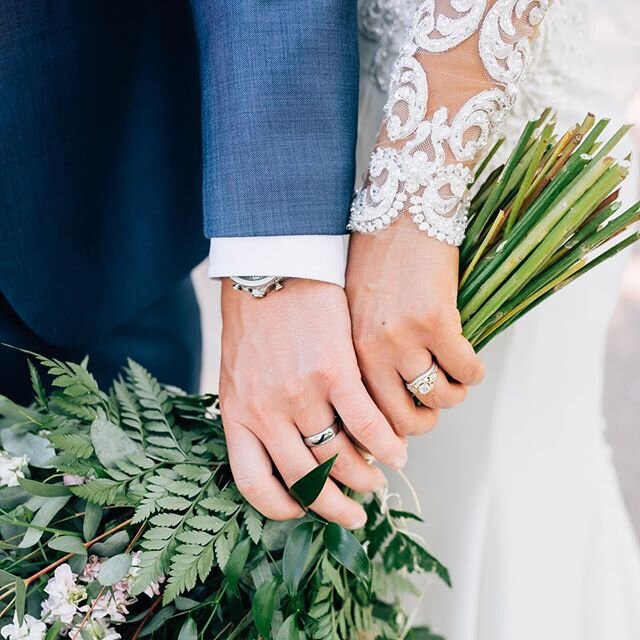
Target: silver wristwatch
(257, 286)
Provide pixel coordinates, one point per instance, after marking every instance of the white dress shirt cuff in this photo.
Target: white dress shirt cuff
(313, 257)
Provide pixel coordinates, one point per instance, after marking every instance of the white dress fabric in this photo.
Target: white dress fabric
(517, 486)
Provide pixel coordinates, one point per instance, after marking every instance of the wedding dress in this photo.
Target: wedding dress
(517, 486)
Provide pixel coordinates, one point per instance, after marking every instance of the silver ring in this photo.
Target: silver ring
(425, 382)
(324, 436)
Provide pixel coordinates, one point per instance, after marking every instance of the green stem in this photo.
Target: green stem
(547, 241)
(480, 221)
(487, 159)
(562, 184)
(610, 253)
(539, 234)
(540, 147)
(488, 239)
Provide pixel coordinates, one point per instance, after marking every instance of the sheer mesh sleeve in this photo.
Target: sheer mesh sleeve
(454, 81)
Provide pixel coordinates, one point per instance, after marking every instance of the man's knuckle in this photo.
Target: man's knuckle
(257, 406)
(250, 486)
(277, 514)
(367, 484)
(329, 374)
(342, 514)
(341, 467)
(367, 426)
(293, 389)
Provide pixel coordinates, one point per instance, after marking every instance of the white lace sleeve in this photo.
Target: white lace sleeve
(454, 81)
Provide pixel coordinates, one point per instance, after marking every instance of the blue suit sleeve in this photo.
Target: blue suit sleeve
(279, 108)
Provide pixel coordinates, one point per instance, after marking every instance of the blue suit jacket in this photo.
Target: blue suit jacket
(123, 122)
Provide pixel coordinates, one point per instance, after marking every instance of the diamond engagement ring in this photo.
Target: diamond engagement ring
(324, 436)
(425, 382)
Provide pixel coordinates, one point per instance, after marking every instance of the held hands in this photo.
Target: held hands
(289, 366)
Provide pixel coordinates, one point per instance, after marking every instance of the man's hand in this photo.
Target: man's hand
(288, 367)
(402, 288)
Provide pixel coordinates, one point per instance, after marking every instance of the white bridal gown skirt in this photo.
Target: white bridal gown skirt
(517, 485)
(519, 493)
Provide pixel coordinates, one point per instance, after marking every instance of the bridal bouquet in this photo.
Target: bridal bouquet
(119, 516)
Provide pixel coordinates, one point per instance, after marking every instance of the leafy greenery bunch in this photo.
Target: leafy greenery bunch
(139, 477)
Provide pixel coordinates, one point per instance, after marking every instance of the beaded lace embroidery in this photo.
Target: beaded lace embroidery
(423, 164)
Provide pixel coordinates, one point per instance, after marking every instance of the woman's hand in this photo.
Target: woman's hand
(288, 367)
(402, 287)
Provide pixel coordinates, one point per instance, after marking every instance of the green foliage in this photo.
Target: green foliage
(114, 569)
(154, 478)
(296, 554)
(264, 605)
(308, 488)
(346, 549)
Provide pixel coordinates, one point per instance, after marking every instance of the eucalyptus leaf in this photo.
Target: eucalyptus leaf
(189, 630)
(296, 552)
(111, 546)
(346, 549)
(78, 563)
(114, 569)
(263, 606)
(6, 578)
(308, 488)
(67, 544)
(11, 497)
(111, 443)
(42, 518)
(37, 449)
(92, 519)
(43, 489)
(235, 565)
(21, 598)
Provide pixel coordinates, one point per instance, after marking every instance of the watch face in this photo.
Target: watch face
(253, 281)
